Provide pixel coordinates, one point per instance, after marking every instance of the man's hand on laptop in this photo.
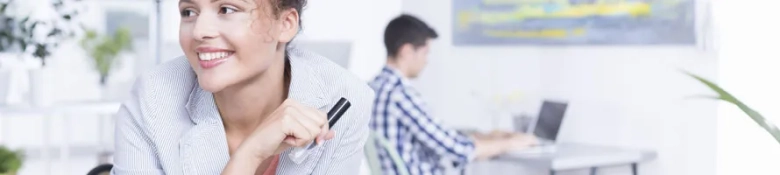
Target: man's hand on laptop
(501, 134)
(495, 134)
(522, 141)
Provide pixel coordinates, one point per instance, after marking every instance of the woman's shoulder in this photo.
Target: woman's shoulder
(335, 79)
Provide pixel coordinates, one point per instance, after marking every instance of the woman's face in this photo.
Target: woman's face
(231, 41)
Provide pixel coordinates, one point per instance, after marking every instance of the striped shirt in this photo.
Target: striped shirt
(170, 125)
(401, 116)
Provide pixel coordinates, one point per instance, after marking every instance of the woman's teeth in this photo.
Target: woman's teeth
(212, 55)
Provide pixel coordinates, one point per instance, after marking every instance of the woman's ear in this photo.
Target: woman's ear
(289, 25)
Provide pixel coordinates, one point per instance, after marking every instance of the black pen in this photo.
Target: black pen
(334, 115)
(298, 154)
(337, 111)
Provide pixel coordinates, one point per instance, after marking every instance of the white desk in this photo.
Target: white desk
(65, 110)
(580, 156)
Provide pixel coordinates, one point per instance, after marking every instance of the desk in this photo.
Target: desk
(65, 110)
(579, 156)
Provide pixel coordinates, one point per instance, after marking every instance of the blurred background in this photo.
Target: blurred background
(621, 74)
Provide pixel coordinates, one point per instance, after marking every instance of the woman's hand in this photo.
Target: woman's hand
(291, 124)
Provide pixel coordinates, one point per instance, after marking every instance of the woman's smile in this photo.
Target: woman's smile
(210, 57)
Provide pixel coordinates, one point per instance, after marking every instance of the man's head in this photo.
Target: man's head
(406, 41)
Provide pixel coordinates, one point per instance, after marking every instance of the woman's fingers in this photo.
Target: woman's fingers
(303, 124)
(290, 140)
(327, 136)
(309, 124)
(315, 115)
(323, 133)
(296, 128)
(330, 135)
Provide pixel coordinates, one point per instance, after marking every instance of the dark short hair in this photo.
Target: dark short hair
(406, 29)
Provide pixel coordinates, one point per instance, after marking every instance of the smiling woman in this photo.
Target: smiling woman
(239, 97)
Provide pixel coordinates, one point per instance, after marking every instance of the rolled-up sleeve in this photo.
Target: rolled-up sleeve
(134, 153)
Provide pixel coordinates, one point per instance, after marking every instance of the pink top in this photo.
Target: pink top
(272, 168)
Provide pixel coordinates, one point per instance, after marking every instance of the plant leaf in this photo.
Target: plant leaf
(25, 19)
(705, 96)
(54, 32)
(725, 96)
(2, 8)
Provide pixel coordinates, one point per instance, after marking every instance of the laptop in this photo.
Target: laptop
(546, 126)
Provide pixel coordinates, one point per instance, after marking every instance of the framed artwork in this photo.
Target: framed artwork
(574, 22)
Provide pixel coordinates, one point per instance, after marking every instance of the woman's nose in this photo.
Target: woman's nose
(205, 28)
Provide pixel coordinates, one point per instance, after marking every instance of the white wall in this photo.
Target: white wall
(359, 21)
(748, 70)
(625, 96)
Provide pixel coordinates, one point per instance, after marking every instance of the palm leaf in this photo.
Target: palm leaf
(725, 96)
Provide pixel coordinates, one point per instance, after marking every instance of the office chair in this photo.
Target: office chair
(103, 169)
(372, 155)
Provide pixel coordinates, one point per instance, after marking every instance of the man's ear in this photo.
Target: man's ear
(405, 51)
(289, 25)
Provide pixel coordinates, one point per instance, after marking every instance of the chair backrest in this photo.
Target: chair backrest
(372, 155)
(101, 169)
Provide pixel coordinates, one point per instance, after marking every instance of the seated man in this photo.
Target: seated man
(401, 117)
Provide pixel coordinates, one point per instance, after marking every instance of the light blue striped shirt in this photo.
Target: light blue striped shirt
(172, 126)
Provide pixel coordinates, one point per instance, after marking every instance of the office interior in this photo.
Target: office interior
(632, 97)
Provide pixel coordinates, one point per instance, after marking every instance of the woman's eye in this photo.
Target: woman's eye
(187, 13)
(226, 10)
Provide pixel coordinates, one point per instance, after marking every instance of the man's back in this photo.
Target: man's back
(400, 117)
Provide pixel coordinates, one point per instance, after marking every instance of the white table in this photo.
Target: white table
(65, 110)
(580, 156)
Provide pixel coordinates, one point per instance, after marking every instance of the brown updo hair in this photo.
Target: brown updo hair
(287, 4)
(277, 6)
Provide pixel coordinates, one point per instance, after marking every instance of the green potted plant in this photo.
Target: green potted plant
(39, 36)
(10, 161)
(31, 32)
(727, 97)
(105, 49)
(7, 51)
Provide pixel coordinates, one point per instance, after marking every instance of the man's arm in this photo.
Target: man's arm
(489, 147)
(499, 142)
(444, 141)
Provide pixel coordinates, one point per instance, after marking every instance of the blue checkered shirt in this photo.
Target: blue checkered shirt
(400, 116)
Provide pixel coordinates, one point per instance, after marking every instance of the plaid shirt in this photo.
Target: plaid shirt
(400, 116)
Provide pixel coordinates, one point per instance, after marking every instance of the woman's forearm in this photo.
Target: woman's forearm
(242, 162)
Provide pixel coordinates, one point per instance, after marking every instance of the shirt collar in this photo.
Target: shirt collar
(395, 73)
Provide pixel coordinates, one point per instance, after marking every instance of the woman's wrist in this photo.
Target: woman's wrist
(254, 151)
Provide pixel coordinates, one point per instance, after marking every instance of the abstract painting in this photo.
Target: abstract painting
(574, 22)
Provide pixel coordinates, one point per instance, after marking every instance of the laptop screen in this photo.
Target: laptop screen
(550, 118)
